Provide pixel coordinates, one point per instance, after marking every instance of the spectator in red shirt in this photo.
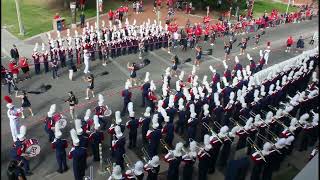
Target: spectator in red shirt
(14, 69)
(110, 14)
(57, 16)
(23, 63)
(289, 44)
(82, 4)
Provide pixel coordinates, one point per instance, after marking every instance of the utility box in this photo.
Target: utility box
(59, 24)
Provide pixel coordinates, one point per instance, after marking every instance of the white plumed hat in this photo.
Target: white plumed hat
(77, 123)
(74, 137)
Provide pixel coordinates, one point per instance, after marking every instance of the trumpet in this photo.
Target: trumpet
(254, 115)
(164, 144)
(250, 141)
(199, 147)
(267, 140)
(219, 126)
(236, 123)
(212, 132)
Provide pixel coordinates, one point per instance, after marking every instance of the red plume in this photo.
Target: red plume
(8, 99)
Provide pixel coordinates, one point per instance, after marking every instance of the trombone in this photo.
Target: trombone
(108, 167)
(264, 112)
(243, 119)
(145, 156)
(267, 140)
(219, 126)
(128, 163)
(236, 123)
(164, 144)
(273, 108)
(212, 132)
(254, 115)
(284, 126)
(199, 147)
(250, 141)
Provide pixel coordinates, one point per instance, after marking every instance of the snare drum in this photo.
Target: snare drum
(57, 117)
(32, 147)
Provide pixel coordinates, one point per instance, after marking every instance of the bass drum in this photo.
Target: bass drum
(32, 147)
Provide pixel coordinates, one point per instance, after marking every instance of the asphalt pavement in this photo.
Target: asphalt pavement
(110, 85)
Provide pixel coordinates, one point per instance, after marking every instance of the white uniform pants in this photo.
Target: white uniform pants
(70, 74)
(86, 63)
(15, 129)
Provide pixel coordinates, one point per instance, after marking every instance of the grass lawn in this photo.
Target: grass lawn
(261, 5)
(37, 18)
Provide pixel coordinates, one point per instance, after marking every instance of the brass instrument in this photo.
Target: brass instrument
(219, 127)
(164, 144)
(198, 146)
(145, 156)
(273, 108)
(254, 115)
(264, 112)
(250, 141)
(108, 167)
(211, 130)
(243, 119)
(267, 140)
(127, 161)
(236, 123)
(284, 126)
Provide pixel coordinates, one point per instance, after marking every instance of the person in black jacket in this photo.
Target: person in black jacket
(14, 53)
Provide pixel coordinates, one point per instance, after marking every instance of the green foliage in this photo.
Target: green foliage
(38, 18)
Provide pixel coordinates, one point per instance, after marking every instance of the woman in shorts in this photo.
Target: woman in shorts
(174, 66)
(72, 102)
(90, 87)
(198, 56)
(25, 102)
(227, 51)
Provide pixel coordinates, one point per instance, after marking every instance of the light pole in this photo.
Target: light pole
(21, 28)
(289, 1)
(73, 14)
(98, 1)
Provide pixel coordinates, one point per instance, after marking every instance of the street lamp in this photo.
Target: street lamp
(21, 28)
(73, 14)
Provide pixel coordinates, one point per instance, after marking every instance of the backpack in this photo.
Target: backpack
(11, 174)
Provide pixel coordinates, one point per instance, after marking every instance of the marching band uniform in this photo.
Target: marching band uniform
(116, 173)
(174, 159)
(19, 150)
(212, 146)
(145, 88)
(171, 111)
(36, 60)
(83, 138)
(96, 138)
(100, 111)
(152, 98)
(153, 168)
(14, 114)
(111, 129)
(87, 123)
(227, 139)
(145, 122)
(60, 146)
(192, 126)
(126, 94)
(204, 161)
(136, 173)
(62, 56)
(132, 125)
(50, 123)
(168, 130)
(79, 156)
(118, 146)
(181, 123)
(189, 159)
(205, 119)
(154, 137)
(45, 61)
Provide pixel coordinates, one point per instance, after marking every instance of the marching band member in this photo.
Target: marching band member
(152, 98)
(179, 95)
(189, 159)
(227, 139)
(289, 145)
(145, 122)
(36, 59)
(136, 172)
(116, 173)
(79, 156)
(215, 76)
(306, 132)
(100, 111)
(153, 168)
(269, 154)
(60, 146)
(171, 111)
(83, 139)
(205, 119)
(126, 94)
(96, 138)
(280, 145)
(192, 123)
(87, 122)
(154, 137)
(18, 151)
(132, 125)
(14, 114)
(145, 87)
(204, 158)
(181, 123)
(167, 129)
(50, 123)
(118, 146)
(174, 158)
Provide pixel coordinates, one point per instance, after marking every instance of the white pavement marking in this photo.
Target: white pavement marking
(161, 58)
(52, 175)
(123, 70)
(215, 58)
